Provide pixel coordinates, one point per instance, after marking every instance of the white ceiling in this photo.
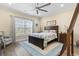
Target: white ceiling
(29, 8)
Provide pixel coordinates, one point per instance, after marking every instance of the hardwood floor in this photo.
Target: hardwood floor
(15, 50)
(76, 51)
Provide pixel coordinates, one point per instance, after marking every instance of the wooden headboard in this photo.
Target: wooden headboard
(52, 28)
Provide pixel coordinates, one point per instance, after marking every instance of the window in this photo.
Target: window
(23, 26)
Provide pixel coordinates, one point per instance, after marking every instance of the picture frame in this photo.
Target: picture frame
(48, 22)
(53, 22)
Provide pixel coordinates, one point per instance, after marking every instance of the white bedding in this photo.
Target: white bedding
(47, 36)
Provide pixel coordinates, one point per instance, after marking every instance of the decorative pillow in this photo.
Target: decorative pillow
(52, 31)
(46, 31)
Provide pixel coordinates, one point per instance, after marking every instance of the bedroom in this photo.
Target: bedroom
(59, 15)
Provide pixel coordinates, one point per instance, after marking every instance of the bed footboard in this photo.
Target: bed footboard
(36, 41)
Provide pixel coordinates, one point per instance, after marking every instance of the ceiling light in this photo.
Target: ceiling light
(61, 5)
(9, 3)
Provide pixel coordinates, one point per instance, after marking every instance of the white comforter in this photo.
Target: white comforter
(46, 36)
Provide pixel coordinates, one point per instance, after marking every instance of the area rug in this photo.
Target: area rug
(52, 50)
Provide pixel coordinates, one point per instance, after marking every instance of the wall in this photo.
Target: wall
(76, 31)
(5, 20)
(63, 21)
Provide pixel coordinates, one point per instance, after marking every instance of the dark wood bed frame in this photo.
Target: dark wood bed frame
(39, 42)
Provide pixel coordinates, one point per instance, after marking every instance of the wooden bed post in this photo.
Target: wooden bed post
(72, 43)
(68, 43)
(70, 30)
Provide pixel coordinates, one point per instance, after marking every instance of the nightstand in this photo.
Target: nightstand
(77, 43)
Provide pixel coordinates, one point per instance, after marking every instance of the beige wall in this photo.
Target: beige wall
(5, 20)
(76, 30)
(63, 21)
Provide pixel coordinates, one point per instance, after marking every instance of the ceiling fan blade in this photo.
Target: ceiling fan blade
(45, 5)
(37, 12)
(42, 10)
(37, 3)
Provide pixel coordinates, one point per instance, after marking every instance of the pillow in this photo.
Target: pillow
(46, 31)
(52, 31)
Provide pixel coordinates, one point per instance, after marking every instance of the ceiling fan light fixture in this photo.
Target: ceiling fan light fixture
(9, 3)
(61, 5)
(38, 8)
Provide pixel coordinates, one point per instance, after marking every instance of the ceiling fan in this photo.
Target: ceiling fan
(39, 8)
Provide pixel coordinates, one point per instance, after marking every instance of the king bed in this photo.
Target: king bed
(44, 38)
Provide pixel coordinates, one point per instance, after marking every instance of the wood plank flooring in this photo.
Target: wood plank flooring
(17, 50)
